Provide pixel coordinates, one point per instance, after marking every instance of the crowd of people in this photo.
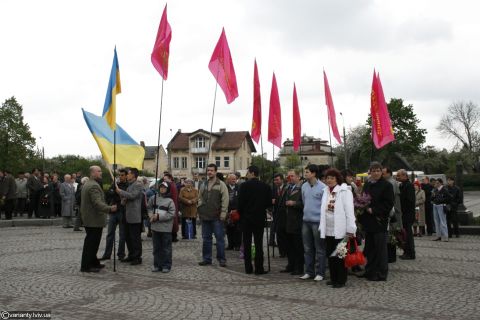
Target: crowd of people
(310, 213)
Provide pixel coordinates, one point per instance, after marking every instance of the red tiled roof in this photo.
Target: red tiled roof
(225, 140)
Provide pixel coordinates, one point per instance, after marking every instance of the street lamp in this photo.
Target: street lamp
(345, 142)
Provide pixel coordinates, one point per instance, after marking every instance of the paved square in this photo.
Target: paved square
(39, 270)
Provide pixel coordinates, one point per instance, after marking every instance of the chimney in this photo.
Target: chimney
(222, 130)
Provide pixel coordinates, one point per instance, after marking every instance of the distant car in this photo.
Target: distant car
(434, 176)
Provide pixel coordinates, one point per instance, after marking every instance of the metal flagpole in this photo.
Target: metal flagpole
(113, 177)
(158, 146)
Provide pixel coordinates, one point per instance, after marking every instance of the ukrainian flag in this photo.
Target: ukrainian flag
(114, 88)
(127, 151)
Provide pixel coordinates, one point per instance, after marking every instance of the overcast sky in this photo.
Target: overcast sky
(56, 58)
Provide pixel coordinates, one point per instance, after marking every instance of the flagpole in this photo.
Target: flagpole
(211, 123)
(158, 146)
(113, 178)
(330, 137)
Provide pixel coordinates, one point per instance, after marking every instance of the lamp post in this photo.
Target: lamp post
(345, 142)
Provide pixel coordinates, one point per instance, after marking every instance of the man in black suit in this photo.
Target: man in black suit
(407, 200)
(254, 197)
(427, 188)
(277, 195)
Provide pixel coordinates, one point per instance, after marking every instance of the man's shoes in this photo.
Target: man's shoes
(100, 266)
(223, 264)
(438, 239)
(127, 259)
(338, 285)
(249, 271)
(90, 270)
(286, 270)
(136, 262)
(165, 270)
(77, 229)
(204, 263)
(261, 272)
(318, 278)
(296, 273)
(104, 258)
(376, 278)
(405, 257)
(155, 269)
(305, 276)
(330, 283)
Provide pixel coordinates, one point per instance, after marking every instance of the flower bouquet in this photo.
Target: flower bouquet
(361, 202)
(341, 250)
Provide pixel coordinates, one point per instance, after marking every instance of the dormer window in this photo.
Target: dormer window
(200, 142)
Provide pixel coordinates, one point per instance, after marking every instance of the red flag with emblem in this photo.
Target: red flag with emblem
(257, 107)
(275, 116)
(331, 109)
(221, 66)
(297, 123)
(161, 49)
(382, 131)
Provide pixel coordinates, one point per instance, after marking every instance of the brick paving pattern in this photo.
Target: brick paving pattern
(39, 270)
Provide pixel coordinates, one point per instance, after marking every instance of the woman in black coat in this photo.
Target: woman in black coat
(46, 201)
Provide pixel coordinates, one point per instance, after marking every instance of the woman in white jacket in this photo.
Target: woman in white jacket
(337, 221)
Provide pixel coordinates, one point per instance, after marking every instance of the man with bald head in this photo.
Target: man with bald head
(93, 209)
(407, 200)
(67, 194)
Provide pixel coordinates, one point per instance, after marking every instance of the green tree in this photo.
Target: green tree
(409, 137)
(16, 140)
(293, 161)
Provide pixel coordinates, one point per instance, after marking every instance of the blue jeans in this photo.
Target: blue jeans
(440, 218)
(314, 247)
(115, 219)
(208, 228)
(162, 249)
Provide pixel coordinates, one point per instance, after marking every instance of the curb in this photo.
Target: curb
(30, 222)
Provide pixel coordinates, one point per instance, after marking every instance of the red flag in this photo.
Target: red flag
(257, 107)
(331, 109)
(297, 123)
(161, 49)
(382, 131)
(221, 66)
(275, 116)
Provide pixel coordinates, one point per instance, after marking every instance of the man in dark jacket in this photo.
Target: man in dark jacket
(427, 188)
(254, 197)
(374, 221)
(279, 215)
(455, 200)
(234, 233)
(8, 193)
(294, 223)
(407, 200)
(33, 186)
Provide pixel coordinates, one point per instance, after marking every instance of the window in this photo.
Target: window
(184, 162)
(218, 161)
(200, 162)
(226, 162)
(175, 163)
(200, 142)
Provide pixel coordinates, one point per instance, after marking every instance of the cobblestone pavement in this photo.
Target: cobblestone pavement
(39, 270)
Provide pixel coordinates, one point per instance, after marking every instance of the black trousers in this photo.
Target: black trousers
(133, 239)
(409, 249)
(338, 272)
(249, 229)
(376, 254)
(452, 221)
(295, 252)
(8, 207)
(21, 205)
(234, 235)
(429, 218)
(90, 248)
(32, 206)
(282, 240)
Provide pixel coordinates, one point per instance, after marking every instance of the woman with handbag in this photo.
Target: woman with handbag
(419, 224)
(337, 221)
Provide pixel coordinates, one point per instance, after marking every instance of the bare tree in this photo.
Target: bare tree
(462, 122)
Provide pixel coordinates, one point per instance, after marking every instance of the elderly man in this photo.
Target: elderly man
(8, 191)
(67, 194)
(234, 234)
(407, 199)
(93, 210)
(133, 197)
(21, 183)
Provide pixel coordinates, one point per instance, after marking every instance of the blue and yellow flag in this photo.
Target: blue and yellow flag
(127, 151)
(114, 88)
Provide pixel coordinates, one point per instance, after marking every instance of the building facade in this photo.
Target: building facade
(150, 160)
(312, 151)
(230, 151)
